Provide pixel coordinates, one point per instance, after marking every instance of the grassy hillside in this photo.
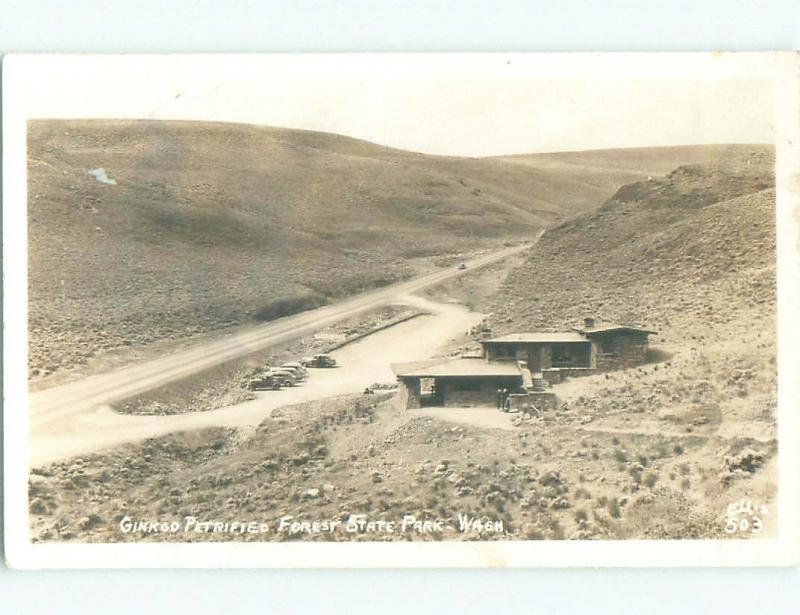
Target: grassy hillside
(209, 225)
(690, 249)
(595, 175)
(692, 256)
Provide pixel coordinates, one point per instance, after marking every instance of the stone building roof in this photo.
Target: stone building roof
(538, 337)
(438, 368)
(605, 327)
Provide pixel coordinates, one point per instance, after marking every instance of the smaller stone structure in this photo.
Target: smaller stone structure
(616, 346)
(462, 382)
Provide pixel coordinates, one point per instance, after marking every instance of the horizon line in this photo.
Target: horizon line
(392, 147)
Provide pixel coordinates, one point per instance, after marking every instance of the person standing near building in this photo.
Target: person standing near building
(499, 399)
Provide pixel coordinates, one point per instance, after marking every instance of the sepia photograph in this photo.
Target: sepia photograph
(480, 310)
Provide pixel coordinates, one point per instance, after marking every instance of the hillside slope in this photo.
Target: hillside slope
(692, 256)
(198, 226)
(687, 250)
(597, 174)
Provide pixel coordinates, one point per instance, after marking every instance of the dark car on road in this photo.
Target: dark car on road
(319, 360)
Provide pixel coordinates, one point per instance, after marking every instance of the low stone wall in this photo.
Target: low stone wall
(558, 374)
(484, 394)
(531, 402)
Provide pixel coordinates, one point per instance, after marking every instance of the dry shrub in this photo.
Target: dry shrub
(651, 479)
(289, 305)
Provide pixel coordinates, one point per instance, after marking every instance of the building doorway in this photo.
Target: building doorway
(430, 392)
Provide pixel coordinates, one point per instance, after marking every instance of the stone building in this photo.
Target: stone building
(615, 346)
(455, 382)
(568, 353)
(522, 363)
(586, 349)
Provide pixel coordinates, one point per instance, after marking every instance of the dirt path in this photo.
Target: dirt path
(361, 364)
(488, 417)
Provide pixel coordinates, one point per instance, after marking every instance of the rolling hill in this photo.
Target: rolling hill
(191, 226)
(689, 249)
(596, 174)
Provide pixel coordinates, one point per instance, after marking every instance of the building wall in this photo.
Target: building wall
(569, 355)
(539, 356)
(618, 350)
(486, 396)
(627, 349)
(484, 392)
(409, 393)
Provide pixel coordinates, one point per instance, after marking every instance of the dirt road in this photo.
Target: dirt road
(57, 402)
(87, 423)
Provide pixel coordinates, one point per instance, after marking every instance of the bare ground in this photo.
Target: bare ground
(360, 455)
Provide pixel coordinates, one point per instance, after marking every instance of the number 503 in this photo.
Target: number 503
(744, 524)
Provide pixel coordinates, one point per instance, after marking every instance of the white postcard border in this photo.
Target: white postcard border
(20, 74)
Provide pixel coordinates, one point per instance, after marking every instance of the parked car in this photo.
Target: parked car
(462, 266)
(284, 377)
(297, 375)
(322, 360)
(263, 382)
(295, 367)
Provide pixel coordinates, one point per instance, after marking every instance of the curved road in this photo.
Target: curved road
(61, 418)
